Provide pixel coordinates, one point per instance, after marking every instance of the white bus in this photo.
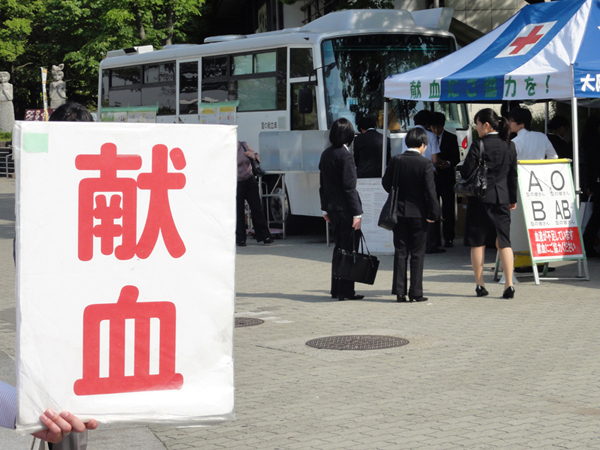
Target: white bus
(335, 64)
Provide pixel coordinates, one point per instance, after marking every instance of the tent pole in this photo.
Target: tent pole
(575, 135)
(385, 127)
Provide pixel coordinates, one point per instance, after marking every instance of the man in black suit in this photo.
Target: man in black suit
(558, 129)
(368, 146)
(445, 178)
(417, 207)
(340, 201)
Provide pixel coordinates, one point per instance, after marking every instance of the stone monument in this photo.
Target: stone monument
(58, 88)
(7, 112)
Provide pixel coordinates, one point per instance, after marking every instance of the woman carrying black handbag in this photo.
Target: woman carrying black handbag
(489, 218)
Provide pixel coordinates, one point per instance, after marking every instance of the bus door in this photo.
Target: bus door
(188, 90)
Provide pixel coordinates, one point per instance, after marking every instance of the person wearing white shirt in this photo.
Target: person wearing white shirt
(529, 144)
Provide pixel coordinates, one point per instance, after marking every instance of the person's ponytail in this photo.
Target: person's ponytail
(503, 129)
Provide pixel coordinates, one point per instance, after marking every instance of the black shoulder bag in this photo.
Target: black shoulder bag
(476, 184)
(354, 266)
(389, 213)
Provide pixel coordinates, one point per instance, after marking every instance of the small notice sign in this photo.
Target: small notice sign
(548, 201)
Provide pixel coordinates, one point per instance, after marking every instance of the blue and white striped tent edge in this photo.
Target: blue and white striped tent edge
(545, 51)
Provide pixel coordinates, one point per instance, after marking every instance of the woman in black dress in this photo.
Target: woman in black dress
(489, 217)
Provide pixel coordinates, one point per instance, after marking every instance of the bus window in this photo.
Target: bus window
(360, 64)
(127, 76)
(301, 62)
(214, 67)
(265, 62)
(105, 87)
(159, 73)
(125, 97)
(188, 88)
(301, 121)
(163, 96)
(257, 94)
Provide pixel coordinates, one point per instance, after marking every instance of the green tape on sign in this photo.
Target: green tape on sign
(35, 142)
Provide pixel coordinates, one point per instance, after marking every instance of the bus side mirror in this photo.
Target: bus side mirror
(305, 100)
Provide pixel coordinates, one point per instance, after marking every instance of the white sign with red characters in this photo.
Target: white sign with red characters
(125, 271)
(548, 201)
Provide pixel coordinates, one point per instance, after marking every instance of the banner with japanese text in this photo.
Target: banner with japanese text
(548, 201)
(125, 271)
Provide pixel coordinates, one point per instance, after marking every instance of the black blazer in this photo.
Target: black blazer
(338, 182)
(449, 152)
(367, 154)
(501, 161)
(416, 194)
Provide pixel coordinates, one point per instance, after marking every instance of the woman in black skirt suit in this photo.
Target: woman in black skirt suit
(489, 217)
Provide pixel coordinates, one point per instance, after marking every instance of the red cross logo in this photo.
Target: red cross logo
(527, 38)
(532, 38)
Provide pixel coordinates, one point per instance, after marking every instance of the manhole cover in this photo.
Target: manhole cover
(247, 322)
(357, 342)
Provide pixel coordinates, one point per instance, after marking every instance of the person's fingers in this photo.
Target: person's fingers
(58, 428)
(92, 424)
(73, 421)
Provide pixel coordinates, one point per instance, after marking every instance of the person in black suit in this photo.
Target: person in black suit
(417, 206)
(368, 146)
(490, 216)
(445, 178)
(340, 201)
(558, 128)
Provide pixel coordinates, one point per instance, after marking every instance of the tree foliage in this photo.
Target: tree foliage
(40, 33)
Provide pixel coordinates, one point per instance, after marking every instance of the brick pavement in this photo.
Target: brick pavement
(478, 373)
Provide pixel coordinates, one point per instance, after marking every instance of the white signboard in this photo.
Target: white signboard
(373, 196)
(125, 271)
(548, 200)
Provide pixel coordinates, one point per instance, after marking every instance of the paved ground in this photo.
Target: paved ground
(477, 374)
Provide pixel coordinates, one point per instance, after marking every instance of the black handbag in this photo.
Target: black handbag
(476, 184)
(257, 171)
(354, 266)
(388, 218)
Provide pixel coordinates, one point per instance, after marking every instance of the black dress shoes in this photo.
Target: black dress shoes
(401, 298)
(449, 244)
(509, 292)
(268, 241)
(419, 299)
(241, 244)
(481, 291)
(353, 297)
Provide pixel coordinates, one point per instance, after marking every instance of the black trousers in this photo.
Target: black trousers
(247, 190)
(591, 230)
(410, 238)
(444, 186)
(341, 224)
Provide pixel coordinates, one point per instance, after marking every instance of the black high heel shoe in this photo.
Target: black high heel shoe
(481, 291)
(509, 292)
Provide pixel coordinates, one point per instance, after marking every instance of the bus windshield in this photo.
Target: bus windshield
(355, 68)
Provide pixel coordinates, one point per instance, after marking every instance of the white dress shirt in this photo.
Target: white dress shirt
(533, 145)
(8, 405)
(432, 147)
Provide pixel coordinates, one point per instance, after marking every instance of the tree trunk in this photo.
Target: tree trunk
(170, 21)
(138, 22)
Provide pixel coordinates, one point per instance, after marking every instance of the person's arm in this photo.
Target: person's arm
(433, 207)
(388, 177)
(512, 178)
(8, 405)
(249, 152)
(471, 160)
(550, 152)
(57, 425)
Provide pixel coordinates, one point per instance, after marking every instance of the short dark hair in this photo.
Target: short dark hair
(521, 116)
(71, 112)
(438, 119)
(416, 137)
(423, 118)
(557, 122)
(366, 122)
(342, 132)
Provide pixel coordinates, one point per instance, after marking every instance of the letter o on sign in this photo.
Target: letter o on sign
(559, 177)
